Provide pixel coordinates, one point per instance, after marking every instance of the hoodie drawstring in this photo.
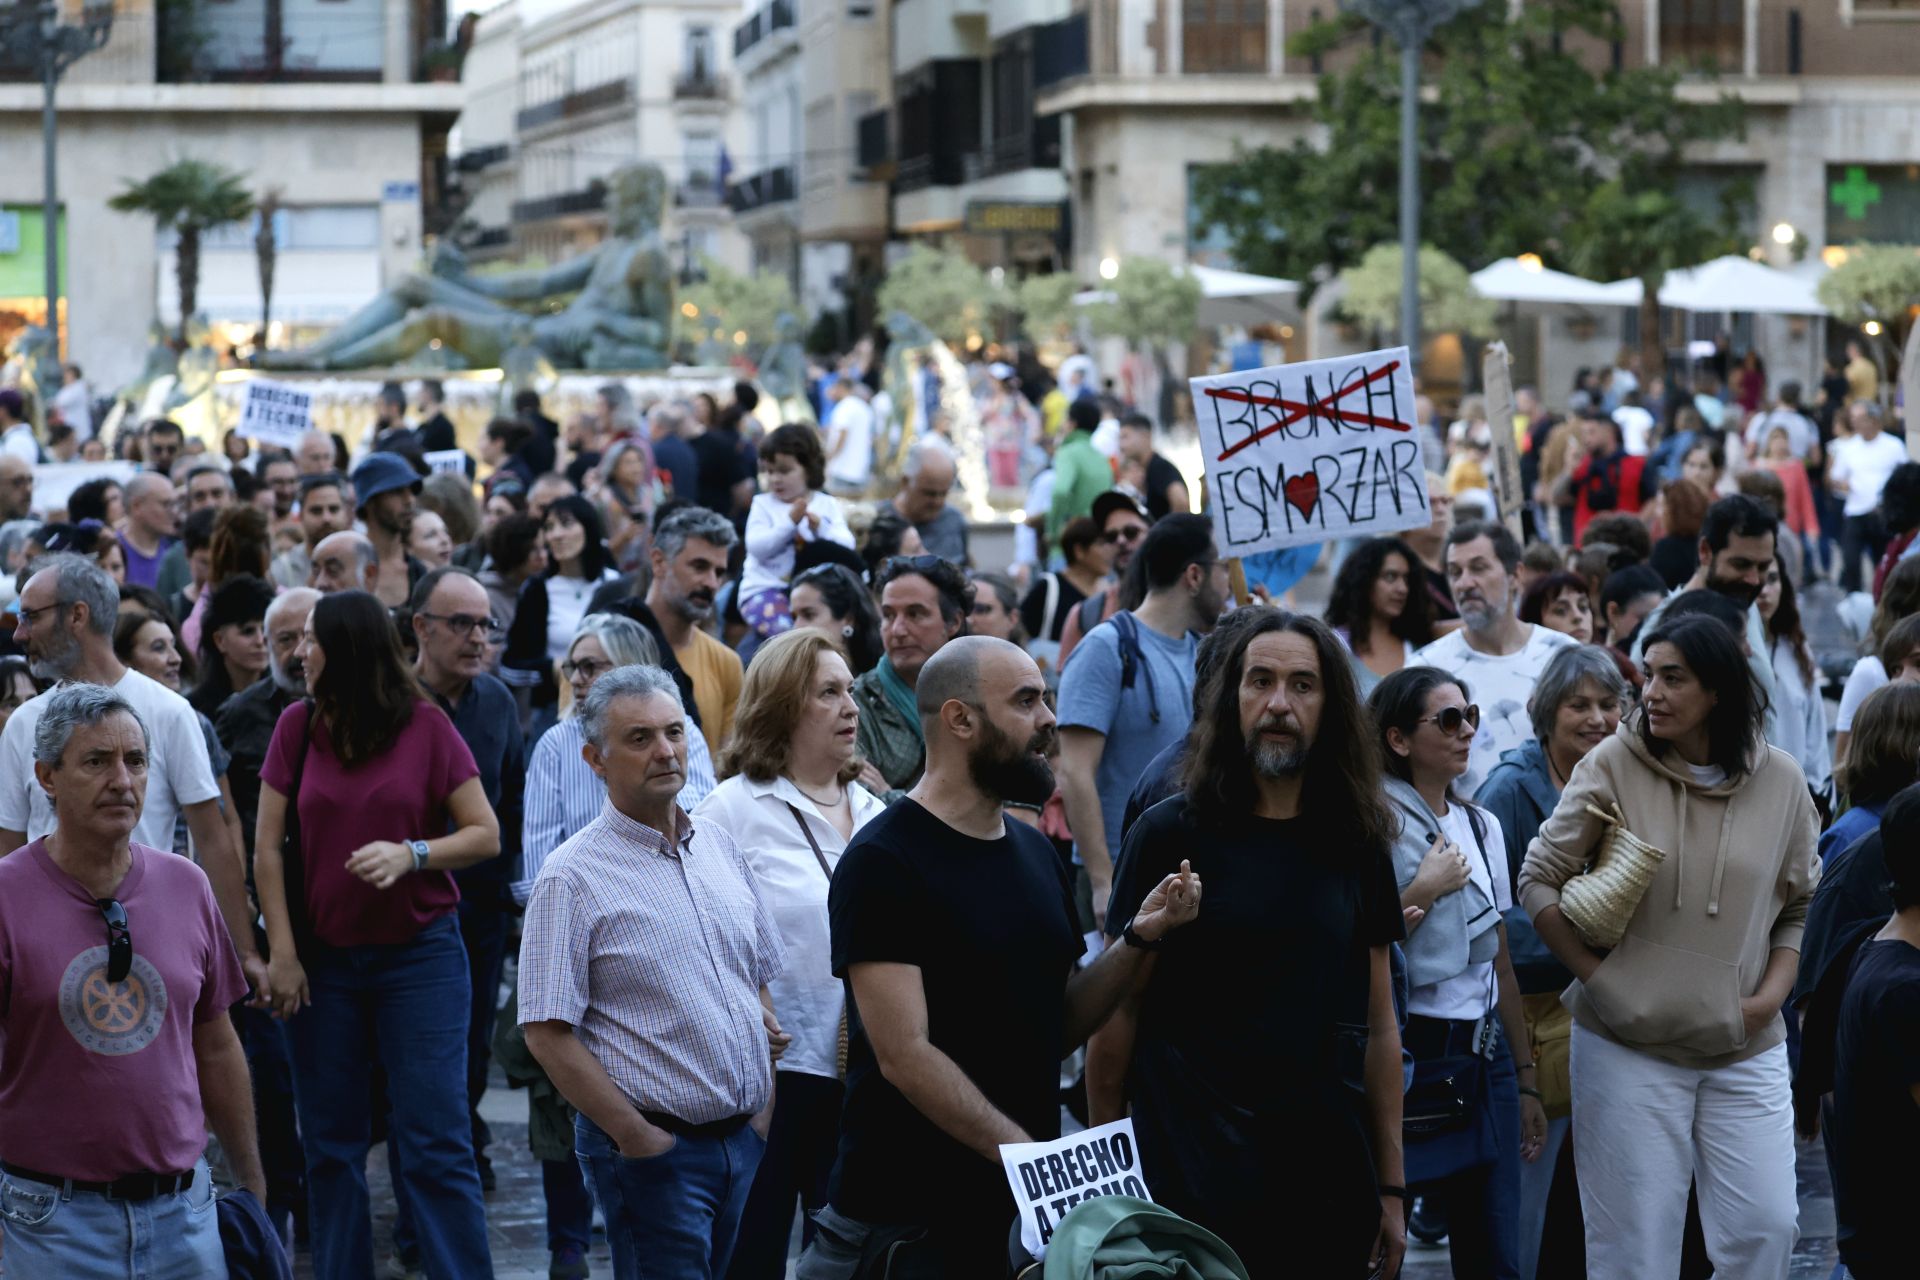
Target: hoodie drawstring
(1680, 840)
(1720, 861)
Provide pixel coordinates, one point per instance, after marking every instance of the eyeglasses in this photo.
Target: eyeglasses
(588, 670)
(119, 939)
(463, 624)
(1450, 720)
(28, 615)
(1125, 533)
(821, 571)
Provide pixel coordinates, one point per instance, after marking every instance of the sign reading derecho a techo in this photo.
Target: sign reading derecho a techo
(1300, 453)
(1050, 1178)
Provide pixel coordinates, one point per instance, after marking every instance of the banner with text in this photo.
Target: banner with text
(1050, 1178)
(276, 413)
(1300, 453)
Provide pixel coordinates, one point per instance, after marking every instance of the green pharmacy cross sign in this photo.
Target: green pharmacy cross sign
(1856, 195)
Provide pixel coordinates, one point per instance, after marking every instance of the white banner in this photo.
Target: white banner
(276, 413)
(54, 482)
(1049, 1178)
(452, 462)
(1301, 453)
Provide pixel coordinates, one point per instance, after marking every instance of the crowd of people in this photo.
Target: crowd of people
(792, 863)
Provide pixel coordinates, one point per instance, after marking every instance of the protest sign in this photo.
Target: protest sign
(1301, 453)
(451, 462)
(1496, 375)
(54, 482)
(1050, 1178)
(276, 413)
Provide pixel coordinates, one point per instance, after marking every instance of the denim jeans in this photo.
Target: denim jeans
(264, 1038)
(408, 1004)
(673, 1216)
(801, 1145)
(569, 1206)
(51, 1235)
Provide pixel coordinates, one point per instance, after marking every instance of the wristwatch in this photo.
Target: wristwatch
(419, 850)
(1132, 938)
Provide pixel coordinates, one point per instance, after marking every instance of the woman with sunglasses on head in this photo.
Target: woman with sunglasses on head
(1679, 1060)
(388, 802)
(833, 600)
(1472, 1115)
(1380, 609)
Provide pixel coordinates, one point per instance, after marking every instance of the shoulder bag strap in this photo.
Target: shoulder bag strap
(840, 1049)
(292, 861)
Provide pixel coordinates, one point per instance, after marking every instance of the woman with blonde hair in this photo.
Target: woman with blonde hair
(790, 802)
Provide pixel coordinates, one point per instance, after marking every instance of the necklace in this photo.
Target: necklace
(830, 804)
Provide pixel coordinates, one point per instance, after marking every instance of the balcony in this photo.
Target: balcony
(1035, 147)
(490, 238)
(777, 18)
(762, 190)
(581, 102)
(567, 203)
(483, 158)
(701, 192)
(699, 86)
(1060, 51)
(942, 169)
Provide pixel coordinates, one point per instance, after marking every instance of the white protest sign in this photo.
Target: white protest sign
(451, 462)
(1300, 453)
(1050, 1178)
(276, 413)
(54, 482)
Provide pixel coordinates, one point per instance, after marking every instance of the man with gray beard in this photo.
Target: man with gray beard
(1261, 1052)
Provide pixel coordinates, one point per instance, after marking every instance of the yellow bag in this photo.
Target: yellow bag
(1550, 1035)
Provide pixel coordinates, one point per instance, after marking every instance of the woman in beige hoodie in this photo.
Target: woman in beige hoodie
(1679, 1055)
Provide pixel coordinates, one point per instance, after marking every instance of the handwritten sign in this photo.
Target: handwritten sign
(452, 462)
(1050, 1178)
(1301, 453)
(276, 413)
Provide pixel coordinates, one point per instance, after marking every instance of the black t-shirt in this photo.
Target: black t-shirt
(725, 460)
(1161, 476)
(1033, 609)
(1674, 558)
(1441, 593)
(990, 925)
(1876, 1124)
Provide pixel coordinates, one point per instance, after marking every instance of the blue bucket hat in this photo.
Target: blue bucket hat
(379, 473)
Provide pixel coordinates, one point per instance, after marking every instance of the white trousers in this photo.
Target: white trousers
(1643, 1127)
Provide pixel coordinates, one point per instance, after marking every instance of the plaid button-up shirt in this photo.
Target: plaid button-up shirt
(655, 953)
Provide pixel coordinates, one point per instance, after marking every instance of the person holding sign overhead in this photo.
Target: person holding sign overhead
(955, 932)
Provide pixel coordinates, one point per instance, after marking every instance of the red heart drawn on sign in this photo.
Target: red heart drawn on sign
(1303, 491)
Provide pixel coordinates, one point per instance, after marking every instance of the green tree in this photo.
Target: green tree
(1448, 302)
(941, 289)
(1153, 305)
(187, 198)
(1517, 135)
(731, 312)
(1045, 304)
(1878, 282)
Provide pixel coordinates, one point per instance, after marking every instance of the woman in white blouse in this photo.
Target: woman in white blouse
(790, 802)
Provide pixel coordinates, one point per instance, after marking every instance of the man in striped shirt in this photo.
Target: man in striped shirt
(644, 965)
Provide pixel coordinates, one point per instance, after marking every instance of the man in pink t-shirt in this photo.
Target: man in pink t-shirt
(116, 1052)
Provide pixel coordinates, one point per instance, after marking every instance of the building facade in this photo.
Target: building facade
(341, 107)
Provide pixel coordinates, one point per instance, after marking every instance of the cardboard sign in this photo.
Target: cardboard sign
(276, 413)
(451, 462)
(1300, 453)
(1496, 375)
(1050, 1178)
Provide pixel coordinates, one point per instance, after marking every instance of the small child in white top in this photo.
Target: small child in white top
(791, 510)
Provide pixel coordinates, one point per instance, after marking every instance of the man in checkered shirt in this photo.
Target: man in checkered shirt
(644, 965)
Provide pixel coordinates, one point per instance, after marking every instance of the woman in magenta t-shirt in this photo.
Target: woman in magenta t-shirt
(389, 802)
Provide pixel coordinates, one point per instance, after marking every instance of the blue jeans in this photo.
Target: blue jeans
(56, 1235)
(674, 1216)
(569, 1207)
(408, 1004)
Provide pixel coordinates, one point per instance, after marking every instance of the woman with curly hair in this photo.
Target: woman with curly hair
(1380, 610)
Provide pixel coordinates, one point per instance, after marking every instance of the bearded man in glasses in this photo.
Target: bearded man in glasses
(117, 973)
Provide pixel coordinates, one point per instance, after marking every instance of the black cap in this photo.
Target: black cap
(1114, 500)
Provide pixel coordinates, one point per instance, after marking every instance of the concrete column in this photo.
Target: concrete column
(399, 44)
(1750, 39)
(1176, 49)
(1276, 37)
(1653, 33)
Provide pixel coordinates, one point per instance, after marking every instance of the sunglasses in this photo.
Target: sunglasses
(1450, 720)
(919, 564)
(119, 939)
(1126, 533)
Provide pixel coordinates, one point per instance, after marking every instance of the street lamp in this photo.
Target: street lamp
(1410, 23)
(50, 46)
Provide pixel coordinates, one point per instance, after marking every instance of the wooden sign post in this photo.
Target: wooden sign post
(1496, 375)
(1910, 389)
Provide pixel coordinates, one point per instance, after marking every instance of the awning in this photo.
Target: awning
(1511, 280)
(1736, 284)
(1229, 298)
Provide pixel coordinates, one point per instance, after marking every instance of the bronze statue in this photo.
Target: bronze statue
(618, 318)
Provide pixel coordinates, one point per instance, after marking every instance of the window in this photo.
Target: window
(1873, 203)
(859, 106)
(702, 151)
(859, 9)
(1227, 36)
(699, 54)
(1703, 32)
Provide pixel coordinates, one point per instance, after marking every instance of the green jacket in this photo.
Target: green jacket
(887, 739)
(1081, 473)
(1121, 1238)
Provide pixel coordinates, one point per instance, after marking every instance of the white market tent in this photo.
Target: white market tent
(1736, 284)
(1229, 297)
(1513, 280)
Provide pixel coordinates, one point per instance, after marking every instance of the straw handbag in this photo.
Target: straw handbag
(1602, 900)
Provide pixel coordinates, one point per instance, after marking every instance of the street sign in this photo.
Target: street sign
(1012, 217)
(400, 192)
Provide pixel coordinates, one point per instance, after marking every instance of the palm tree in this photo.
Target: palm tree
(188, 197)
(266, 250)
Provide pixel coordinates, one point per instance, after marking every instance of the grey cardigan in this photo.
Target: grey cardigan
(1459, 928)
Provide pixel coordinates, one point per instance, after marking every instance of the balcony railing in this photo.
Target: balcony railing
(1037, 147)
(698, 193)
(1060, 50)
(943, 169)
(761, 190)
(491, 238)
(777, 16)
(578, 103)
(591, 200)
(698, 85)
(483, 157)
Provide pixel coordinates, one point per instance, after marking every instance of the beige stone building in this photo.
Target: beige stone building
(332, 103)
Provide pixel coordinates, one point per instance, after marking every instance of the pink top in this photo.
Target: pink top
(98, 1081)
(1801, 516)
(400, 795)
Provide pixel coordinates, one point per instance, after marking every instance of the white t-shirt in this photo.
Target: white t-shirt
(853, 465)
(1869, 676)
(1500, 687)
(567, 600)
(1636, 426)
(1472, 993)
(20, 441)
(178, 771)
(1865, 465)
(1706, 775)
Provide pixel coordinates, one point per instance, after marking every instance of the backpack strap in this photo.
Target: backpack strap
(1050, 608)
